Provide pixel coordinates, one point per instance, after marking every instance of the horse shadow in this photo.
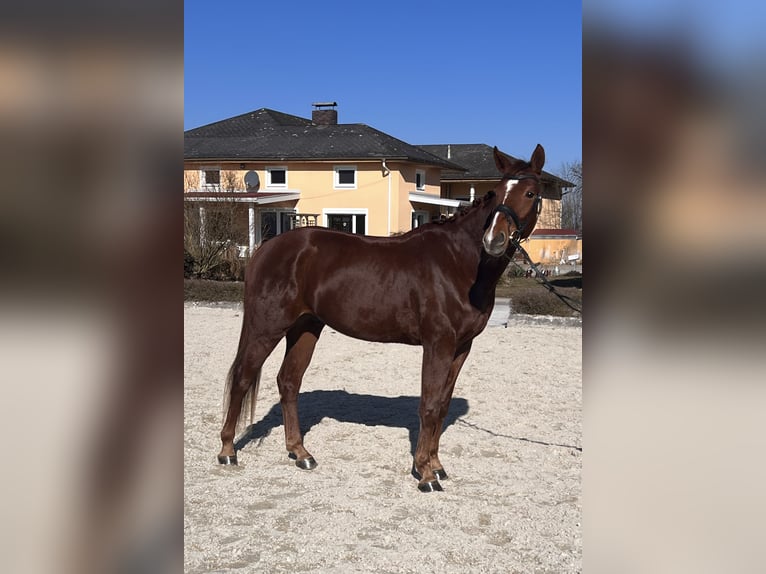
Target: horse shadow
(368, 410)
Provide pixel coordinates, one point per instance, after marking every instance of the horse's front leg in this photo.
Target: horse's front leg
(446, 397)
(437, 363)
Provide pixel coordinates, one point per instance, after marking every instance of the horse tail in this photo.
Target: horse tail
(248, 403)
(247, 411)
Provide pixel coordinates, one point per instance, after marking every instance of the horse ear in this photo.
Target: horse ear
(502, 161)
(538, 159)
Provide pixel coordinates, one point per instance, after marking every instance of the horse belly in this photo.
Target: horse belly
(376, 313)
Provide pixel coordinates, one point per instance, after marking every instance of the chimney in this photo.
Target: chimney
(324, 113)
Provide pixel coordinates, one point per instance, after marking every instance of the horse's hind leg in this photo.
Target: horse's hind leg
(301, 340)
(243, 378)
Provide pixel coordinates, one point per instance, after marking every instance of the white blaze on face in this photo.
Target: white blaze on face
(489, 237)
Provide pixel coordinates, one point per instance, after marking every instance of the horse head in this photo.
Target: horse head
(516, 215)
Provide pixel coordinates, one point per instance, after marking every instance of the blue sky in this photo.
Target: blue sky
(721, 34)
(505, 73)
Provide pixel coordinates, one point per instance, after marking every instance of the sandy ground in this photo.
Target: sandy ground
(511, 447)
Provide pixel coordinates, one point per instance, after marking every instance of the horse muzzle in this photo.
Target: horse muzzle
(495, 244)
(496, 240)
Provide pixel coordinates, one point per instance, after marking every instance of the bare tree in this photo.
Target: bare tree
(230, 181)
(191, 180)
(212, 231)
(571, 200)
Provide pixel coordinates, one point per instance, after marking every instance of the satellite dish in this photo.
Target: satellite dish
(252, 181)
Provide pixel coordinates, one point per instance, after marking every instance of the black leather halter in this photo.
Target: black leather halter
(509, 213)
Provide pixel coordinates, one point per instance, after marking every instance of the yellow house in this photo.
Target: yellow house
(479, 175)
(555, 247)
(265, 172)
(548, 244)
(278, 171)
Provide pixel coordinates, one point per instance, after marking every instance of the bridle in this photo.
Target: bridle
(515, 241)
(511, 215)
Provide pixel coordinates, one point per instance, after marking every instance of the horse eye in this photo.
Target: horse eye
(530, 194)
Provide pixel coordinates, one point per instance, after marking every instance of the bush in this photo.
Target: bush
(228, 266)
(188, 265)
(211, 239)
(515, 271)
(223, 265)
(567, 280)
(537, 300)
(213, 291)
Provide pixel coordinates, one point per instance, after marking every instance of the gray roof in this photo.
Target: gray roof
(479, 162)
(269, 135)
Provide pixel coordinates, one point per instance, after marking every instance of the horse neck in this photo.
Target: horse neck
(488, 273)
(488, 269)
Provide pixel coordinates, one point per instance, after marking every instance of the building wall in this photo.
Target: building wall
(315, 182)
(231, 178)
(191, 180)
(551, 251)
(404, 183)
(550, 215)
(462, 190)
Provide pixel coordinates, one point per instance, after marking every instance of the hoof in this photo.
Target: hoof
(222, 459)
(430, 486)
(309, 463)
(440, 474)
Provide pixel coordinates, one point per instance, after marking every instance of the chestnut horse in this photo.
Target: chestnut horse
(433, 286)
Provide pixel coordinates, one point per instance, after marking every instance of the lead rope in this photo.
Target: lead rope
(543, 281)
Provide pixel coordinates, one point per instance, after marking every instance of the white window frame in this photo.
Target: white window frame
(258, 220)
(336, 177)
(203, 185)
(269, 183)
(422, 174)
(347, 211)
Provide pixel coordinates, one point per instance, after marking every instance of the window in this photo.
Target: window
(420, 179)
(268, 225)
(345, 177)
(210, 178)
(349, 220)
(276, 177)
(419, 218)
(275, 221)
(286, 221)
